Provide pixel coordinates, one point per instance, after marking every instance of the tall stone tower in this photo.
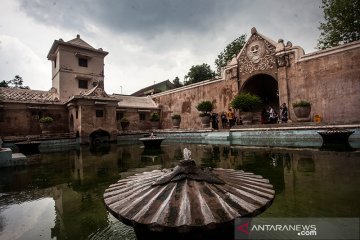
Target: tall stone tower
(76, 66)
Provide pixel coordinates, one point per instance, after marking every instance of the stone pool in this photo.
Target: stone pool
(61, 196)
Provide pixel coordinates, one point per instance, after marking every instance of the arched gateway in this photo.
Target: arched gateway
(265, 86)
(257, 68)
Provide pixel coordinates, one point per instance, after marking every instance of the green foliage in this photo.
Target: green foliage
(246, 102)
(155, 117)
(124, 120)
(199, 73)
(176, 116)
(4, 83)
(177, 82)
(17, 82)
(46, 119)
(342, 23)
(301, 103)
(205, 107)
(229, 52)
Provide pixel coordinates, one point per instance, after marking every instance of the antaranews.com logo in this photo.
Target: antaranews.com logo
(297, 228)
(301, 230)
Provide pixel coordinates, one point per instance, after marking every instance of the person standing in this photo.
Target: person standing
(271, 115)
(223, 120)
(284, 113)
(214, 121)
(230, 116)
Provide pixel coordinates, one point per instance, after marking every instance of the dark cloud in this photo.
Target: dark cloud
(197, 25)
(150, 18)
(146, 18)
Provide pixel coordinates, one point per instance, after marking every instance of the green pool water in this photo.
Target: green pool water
(60, 196)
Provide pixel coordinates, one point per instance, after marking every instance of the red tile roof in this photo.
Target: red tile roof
(26, 95)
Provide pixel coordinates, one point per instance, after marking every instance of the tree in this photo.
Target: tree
(342, 23)
(17, 82)
(199, 73)
(177, 82)
(229, 52)
(4, 83)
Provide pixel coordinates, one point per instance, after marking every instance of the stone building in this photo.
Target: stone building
(278, 73)
(77, 100)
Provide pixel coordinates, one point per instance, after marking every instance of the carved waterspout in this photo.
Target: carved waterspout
(187, 169)
(187, 154)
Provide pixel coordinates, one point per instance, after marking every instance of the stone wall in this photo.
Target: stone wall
(184, 100)
(330, 80)
(133, 115)
(23, 119)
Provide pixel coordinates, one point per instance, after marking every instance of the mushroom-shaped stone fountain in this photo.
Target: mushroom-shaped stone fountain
(336, 135)
(336, 139)
(188, 202)
(152, 141)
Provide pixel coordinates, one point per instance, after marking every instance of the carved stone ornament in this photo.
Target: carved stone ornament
(283, 60)
(259, 55)
(231, 73)
(99, 92)
(255, 51)
(282, 56)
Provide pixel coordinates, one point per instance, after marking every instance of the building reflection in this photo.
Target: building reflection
(307, 182)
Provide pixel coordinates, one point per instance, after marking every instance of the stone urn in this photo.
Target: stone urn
(302, 113)
(45, 128)
(45, 124)
(247, 117)
(176, 122)
(176, 119)
(124, 125)
(205, 121)
(155, 120)
(155, 124)
(302, 110)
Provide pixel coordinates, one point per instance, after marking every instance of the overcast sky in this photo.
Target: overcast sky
(148, 41)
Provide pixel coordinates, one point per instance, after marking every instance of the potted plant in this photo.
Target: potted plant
(247, 103)
(176, 119)
(155, 120)
(125, 123)
(302, 110)
(205, 107)
(45, 123)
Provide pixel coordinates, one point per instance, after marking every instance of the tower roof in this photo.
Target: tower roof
(79, 42)
(76, 43)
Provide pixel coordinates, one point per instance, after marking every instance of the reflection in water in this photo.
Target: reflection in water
(306, 165)
(69, 186)
(100, 148)
(151, 155)
(33, 214)
(338, 147)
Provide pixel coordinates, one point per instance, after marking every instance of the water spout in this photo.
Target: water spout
(187, 154)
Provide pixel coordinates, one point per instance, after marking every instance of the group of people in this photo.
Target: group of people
(228, 119)
(269, 115)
